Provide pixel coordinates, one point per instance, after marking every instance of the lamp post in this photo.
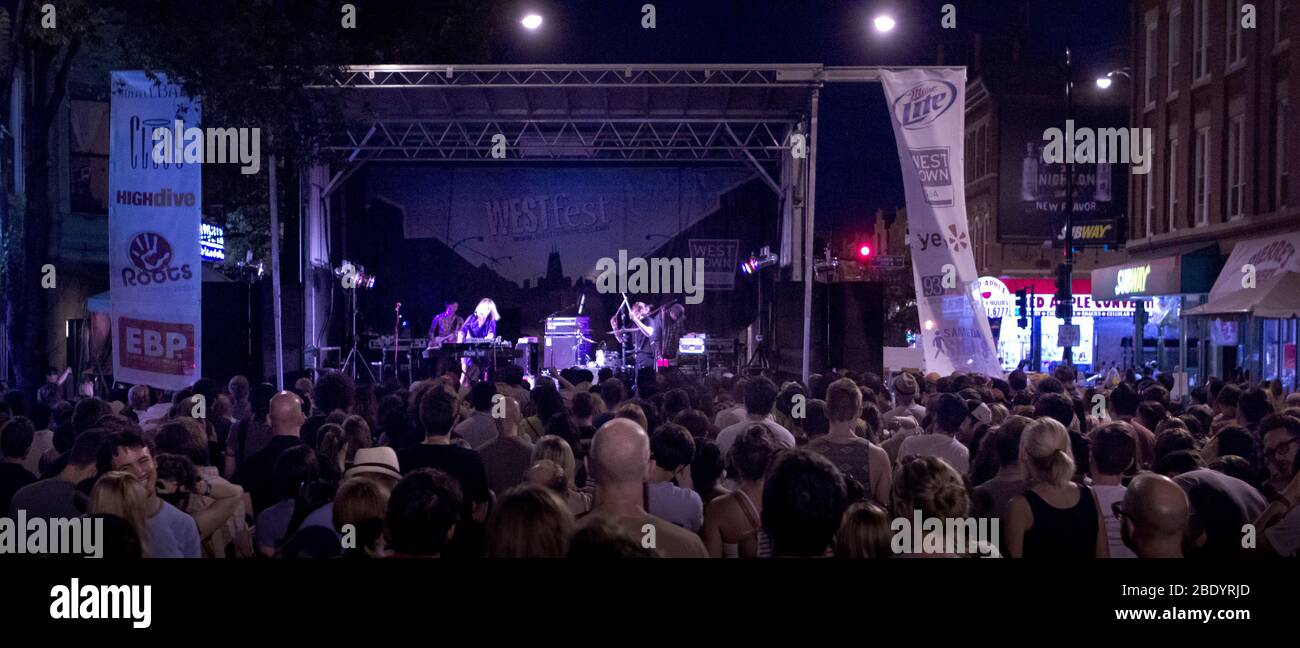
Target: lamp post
(1066, 309)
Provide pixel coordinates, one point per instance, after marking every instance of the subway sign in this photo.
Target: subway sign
(1139, 279)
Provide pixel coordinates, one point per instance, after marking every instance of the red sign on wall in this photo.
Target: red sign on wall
(162, 347)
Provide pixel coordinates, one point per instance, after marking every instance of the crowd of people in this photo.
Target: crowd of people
(576, 464)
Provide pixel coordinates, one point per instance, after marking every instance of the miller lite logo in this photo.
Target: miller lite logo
(924, 103)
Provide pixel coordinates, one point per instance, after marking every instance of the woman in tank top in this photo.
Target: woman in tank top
(1054, 517)
(732, 523)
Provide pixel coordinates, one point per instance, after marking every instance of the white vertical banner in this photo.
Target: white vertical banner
(927, 109)
(154, 216)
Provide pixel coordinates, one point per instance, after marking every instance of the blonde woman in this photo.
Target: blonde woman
(558, 450)
(481, 325)
(865, 533)
(1054, 517)
(363, 502)
(123, 495)
(529, 522)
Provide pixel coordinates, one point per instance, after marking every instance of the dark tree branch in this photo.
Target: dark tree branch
(59, 89)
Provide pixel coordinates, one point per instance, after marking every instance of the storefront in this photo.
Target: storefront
(1253, 306)
(1165, 286)
(1103, 324)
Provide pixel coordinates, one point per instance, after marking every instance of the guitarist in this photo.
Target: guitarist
(444, 328)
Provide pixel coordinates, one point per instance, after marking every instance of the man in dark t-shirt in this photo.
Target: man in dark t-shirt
(15, 440)
(437, 416)
(286, 424)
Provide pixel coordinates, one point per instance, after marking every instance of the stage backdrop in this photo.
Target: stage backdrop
(524, 214)
(154, 216)
(927, 110)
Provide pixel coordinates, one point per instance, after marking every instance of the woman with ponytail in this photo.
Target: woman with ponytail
(1054, 517)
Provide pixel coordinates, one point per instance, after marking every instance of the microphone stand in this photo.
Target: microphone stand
(397, 328)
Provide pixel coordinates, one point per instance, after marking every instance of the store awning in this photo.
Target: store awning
(1189, 270)
(1277, 297)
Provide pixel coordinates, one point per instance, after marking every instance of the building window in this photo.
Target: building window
(1175, 33)
(1281, 12)
(1149, 208)
(969, 162)
(1236, 167)
(988, 152)
(1149, 68)
(1200, 39)
(1171, 203)
(1201, 170)
(1233, 46)
(1280, 177)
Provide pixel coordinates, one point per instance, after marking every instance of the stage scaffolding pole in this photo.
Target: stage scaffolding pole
(810, 202)
(275, 276)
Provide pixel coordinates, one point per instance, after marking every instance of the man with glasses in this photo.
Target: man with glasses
(1153, 516)
(172, 533)
(1281, 440)
(1280, 522)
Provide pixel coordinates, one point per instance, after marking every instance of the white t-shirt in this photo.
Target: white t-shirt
(42, 442)
(1106, 498)
(937, 445)
(915, 411)
(729, 417)
(728, 435)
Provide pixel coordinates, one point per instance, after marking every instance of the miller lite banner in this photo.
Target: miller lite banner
(927, 109)
(153, 238)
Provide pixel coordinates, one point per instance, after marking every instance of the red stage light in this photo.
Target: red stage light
(864, 251)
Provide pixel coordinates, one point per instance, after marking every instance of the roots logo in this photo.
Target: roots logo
(924, 103)
(151, 254)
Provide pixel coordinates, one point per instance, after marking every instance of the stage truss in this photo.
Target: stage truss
(614, 114)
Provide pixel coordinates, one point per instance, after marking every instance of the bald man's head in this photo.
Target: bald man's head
(1156, 508)
(620, 453)
(286, 413)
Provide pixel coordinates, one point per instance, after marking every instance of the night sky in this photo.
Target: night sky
(857, 169)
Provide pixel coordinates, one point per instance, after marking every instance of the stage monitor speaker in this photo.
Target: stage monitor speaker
(530, 359)
(856, 331)
(561, 352)
(848, 325)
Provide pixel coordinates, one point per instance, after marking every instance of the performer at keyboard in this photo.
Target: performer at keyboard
(481, 326)
(670, 320)
(444, 328)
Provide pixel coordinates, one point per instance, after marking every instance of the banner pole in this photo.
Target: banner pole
(275, 276)
(809, 221)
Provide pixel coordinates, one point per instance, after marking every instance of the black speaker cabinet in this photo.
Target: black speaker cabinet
(848, 326)
(561, 352)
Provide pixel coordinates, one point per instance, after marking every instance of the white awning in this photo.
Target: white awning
(1277, 297)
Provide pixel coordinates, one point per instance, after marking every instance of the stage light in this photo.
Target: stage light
(864, 251)
(763, 259)
(884, 24)
(531, 22)
(929, 325)
(1103, 82)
